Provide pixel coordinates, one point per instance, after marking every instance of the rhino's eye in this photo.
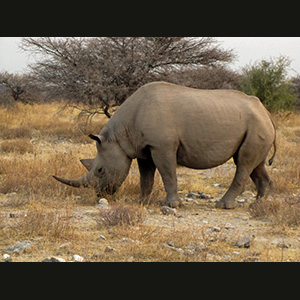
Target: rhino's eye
(100, 170)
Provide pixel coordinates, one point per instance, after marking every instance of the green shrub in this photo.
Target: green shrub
(268, 81)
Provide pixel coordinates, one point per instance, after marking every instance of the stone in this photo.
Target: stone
(78, 258)
(166, 210)
(245, 241)
(102, 237)
(6, 258)
(216, 229)
(130, 259)
(19, 247)
(109, 249)
(229, 226)
(171, 244)
(54, 259)
(283, 245)
(103, 204)
(201, 195)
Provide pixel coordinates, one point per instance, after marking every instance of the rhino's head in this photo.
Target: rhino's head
(107, 171)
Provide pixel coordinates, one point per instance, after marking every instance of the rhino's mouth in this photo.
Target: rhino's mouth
(109, 190)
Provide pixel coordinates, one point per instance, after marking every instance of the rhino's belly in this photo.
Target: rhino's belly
(205, 156)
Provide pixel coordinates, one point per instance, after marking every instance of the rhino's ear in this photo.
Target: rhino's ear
(88, 163)
(95, 137)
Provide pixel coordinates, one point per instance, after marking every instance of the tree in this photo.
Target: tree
(295, 81)
(268, 81)
(98, 73)
(18, 87)
(207, 77)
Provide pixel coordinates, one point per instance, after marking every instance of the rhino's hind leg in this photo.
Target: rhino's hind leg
(236, 188)
(261, 179)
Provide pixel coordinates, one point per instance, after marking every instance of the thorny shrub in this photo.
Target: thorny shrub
(122, 214)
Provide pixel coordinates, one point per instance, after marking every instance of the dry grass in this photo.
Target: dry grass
(284, 210)
(39, 141)
(120, 214)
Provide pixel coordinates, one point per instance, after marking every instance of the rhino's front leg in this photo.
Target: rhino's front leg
(166, 163)
(147, 171)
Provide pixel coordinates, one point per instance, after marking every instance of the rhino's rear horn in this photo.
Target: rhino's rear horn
(88, 163)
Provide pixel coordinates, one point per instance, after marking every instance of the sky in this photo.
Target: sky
(248, 51)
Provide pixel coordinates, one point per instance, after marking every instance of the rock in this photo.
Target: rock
(97, 255)
(216, 229)
(171, 244)
(229, 226)
(166, 210)
(54, 259)
(130, 259)
(102, 237)
(78, 258)
(189, 199)
(64, 245)
(103, 204)
(200, 195)
(283, 245)
(128, 240)
(6, 258)
(245, 241)
(109, 249)
(193, 195)
(17, 248)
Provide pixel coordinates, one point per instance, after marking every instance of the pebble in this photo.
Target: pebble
(102, 237)
(78, 258)
(130, 259)
(6, 258)
(171, 244)
(229, 226)
(19, 247)
(201, 195)
(166, 210)
(54, 259)
(245, 241)
(216, 229)
(283, 245)
(103, 204)
(109, 249)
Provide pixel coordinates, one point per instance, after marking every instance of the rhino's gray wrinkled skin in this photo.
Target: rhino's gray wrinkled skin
(163, 125)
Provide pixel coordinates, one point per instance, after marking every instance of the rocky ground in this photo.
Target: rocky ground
(195, 232)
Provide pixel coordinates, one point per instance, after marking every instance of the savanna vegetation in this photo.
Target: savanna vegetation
(62, 221)
(41, 135)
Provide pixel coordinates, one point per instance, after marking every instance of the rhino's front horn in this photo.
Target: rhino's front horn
(79, 182)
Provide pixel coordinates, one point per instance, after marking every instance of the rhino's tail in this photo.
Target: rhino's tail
(274, 144)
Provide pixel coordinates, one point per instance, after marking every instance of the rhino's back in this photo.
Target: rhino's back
(170, 107)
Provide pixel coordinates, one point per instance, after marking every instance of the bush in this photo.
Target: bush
(283, 211)
(268, 81)
(121, 214)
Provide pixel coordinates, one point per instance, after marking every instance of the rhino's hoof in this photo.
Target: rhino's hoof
(173, 203)
(225, 205)
(220, 204)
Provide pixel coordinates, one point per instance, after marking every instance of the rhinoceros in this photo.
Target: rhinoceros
(163, 125)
